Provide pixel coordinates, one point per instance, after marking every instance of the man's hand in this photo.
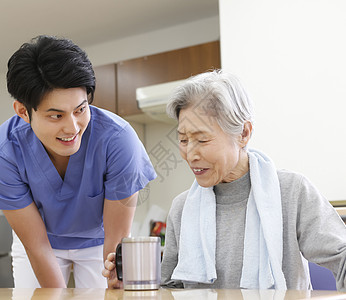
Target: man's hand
(110, 272)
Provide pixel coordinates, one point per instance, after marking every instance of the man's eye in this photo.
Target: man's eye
(56, 117)
(183, 141)
(81, 109)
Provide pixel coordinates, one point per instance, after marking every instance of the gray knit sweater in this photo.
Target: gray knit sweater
(311, 228)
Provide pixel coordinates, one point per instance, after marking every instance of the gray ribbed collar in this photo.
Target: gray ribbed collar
(233, 192)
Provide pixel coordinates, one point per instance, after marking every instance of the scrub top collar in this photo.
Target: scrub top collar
(62, 187)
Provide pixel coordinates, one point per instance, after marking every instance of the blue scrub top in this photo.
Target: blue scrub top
(111, 163)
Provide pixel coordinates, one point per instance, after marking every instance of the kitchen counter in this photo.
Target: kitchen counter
(163, 294)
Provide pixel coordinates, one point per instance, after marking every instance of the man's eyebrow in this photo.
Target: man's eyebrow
(59, 110)
(85, 101)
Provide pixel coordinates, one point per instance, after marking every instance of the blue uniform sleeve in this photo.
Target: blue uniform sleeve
(14, 193)
(128, 165)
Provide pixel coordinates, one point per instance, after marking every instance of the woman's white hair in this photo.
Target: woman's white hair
(218, 94)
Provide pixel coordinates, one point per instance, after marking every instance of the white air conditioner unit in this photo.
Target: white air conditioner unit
(152, 100)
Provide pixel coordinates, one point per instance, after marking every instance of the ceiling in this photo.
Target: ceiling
(89, 22)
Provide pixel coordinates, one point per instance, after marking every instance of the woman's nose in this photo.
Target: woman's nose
(192, 152)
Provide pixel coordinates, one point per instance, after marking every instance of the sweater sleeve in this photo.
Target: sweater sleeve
(321, 232)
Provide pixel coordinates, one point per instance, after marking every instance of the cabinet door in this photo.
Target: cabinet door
(105, 92)
(160, 68)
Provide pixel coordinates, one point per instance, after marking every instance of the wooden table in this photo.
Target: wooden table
(162, 294)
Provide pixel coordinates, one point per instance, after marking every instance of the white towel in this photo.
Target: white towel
(196, 261)
(262, 259)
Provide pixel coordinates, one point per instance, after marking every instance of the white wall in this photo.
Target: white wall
(290, 56)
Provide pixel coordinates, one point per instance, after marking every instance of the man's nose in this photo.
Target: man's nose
(71, 125)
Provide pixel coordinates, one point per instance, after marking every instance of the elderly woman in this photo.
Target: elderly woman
(242, 224)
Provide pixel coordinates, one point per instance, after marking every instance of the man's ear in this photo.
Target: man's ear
(21, 111)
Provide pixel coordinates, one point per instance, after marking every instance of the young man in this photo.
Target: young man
(63, 163)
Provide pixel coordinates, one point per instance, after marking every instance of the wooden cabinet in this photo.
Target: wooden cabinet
(116, 83)
(105, 92)
(160, 68)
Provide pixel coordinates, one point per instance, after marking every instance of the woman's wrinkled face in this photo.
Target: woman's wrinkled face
(60, 121)
(212, 154)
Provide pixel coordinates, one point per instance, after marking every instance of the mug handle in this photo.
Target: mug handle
(119, 262)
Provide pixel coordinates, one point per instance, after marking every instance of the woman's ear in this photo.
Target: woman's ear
(246, 134)
(21, 111)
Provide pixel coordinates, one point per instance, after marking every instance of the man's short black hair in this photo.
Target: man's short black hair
(47, 63)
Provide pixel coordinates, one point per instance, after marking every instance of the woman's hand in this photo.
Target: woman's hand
(110, 273)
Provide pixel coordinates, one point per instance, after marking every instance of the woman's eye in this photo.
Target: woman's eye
(203, 142)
